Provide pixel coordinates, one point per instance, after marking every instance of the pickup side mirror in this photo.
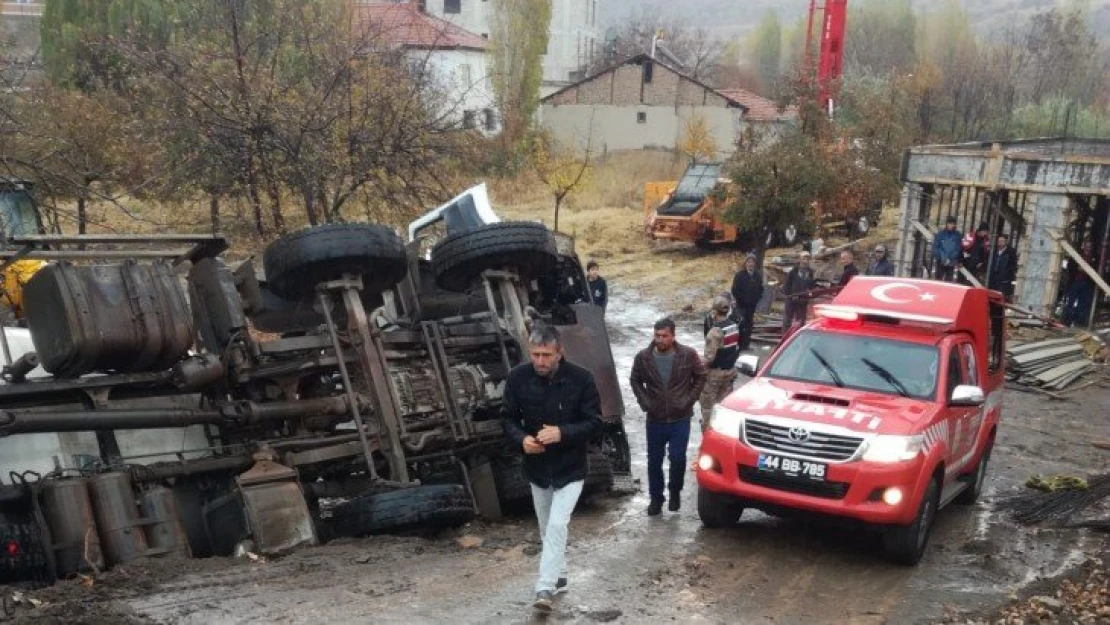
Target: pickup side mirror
(967, 395)
(748, 364)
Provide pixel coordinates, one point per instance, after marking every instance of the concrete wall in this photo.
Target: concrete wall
(617, 127)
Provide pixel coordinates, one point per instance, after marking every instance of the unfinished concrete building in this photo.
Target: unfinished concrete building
(1048, 195)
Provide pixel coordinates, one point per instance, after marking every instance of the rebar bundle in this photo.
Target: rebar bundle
(1057, 508)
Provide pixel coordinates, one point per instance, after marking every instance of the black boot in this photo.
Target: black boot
(675, 502)
(655, 507)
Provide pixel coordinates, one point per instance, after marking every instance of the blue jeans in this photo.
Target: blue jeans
(553, 508)
(670, 439)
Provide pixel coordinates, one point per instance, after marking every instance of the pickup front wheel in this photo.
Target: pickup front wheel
(905, 544)
(716, 510)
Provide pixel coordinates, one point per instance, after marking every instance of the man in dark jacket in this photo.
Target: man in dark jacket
(552, 411)
(879, 265)
(799, 282)
(976, 254)
(599, 290)
(1003, 268)
(747, 289)
(1081, 288)
(947, 249)
(667, 379)
(848, 260)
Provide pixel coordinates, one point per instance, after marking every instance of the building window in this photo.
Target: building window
(464, 76)
(641, 117)
(469, 118)
(491, 120)
(649, 67)
(452, 6)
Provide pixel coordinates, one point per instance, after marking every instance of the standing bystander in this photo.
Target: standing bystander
(799, 281)
(722, 348)
(599, 290)
(1003, 268)
(552, 411)
(848, 261)
(667, 379)
(747, 289)
(947, 247)
(879, 265)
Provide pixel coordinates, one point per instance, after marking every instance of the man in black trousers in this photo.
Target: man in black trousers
(747, 289)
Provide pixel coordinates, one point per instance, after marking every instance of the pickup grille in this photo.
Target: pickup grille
(802, 486)
(818, 446)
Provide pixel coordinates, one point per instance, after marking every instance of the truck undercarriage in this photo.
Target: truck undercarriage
(355, 389)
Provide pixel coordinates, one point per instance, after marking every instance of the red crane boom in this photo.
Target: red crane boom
(830, 60)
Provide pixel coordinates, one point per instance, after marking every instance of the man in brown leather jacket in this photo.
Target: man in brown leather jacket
(667, 379)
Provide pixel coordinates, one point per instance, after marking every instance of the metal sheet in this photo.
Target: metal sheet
(276, 509)
(586, 344)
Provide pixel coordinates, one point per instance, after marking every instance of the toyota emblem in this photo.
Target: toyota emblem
(798, 435)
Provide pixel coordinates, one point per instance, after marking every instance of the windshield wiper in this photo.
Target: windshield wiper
(887, 376)
(825, 363)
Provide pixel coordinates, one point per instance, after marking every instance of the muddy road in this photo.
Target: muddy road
(628, 568)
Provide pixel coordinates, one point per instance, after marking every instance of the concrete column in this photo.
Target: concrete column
(901, 249)
(1039, 256)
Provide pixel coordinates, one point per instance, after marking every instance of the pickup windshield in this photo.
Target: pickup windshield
(859, 362)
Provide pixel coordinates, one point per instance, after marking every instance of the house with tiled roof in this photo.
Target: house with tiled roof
(455, 57)
(644, 103)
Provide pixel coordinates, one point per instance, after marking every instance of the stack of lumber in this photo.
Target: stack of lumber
(1052, 364)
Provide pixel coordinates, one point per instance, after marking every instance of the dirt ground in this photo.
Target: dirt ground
(627, 568)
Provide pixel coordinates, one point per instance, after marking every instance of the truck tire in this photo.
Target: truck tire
(419, 507)
(514, 493)
(527, 248)
(297, 262)
(905, 544)
(718, 511)
(972, 493)
(599, 473)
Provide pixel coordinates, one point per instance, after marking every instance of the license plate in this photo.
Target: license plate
(792, 467)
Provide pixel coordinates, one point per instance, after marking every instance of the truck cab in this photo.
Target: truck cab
(881, 410)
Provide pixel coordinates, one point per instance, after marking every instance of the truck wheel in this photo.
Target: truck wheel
(614, 443)
(527, 248)
(905, 544)
(419, 507)
(297, 262)
(718, 511)
(514, 493)
(971, 494)
(599, 473)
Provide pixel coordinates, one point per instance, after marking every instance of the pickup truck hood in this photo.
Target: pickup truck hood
(861, 411)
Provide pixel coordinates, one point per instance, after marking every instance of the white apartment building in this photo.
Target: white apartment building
(574, 37)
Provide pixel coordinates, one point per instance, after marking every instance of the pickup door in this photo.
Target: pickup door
(963, 421)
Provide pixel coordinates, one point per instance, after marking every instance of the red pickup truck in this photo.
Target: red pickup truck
(883, 409)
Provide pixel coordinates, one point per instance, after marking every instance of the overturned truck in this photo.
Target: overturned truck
(354, 388)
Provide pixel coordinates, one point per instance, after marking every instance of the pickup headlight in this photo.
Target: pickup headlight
(726, 421)
(887, 449)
